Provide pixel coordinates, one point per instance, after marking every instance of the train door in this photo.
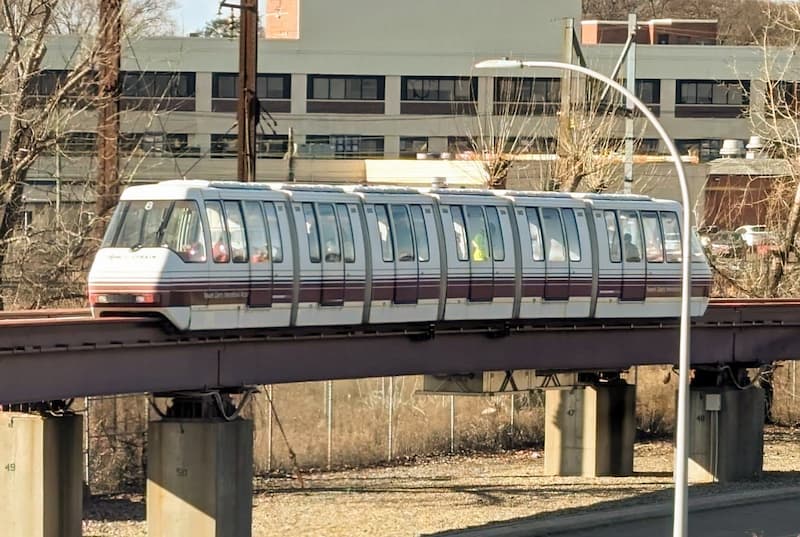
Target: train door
(657, 270)
(556, 285)
(259, 255)
(281, 258)
(609, 284)
(634, 278)
(379, 233)
(531, 261)
(406, 283)
(332, 284)
(239, 269)
(481, 272)
(455, 232)
(354, 258)
(310, 254)
(579, 252)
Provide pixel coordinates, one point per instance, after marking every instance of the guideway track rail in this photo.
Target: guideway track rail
(58, 357)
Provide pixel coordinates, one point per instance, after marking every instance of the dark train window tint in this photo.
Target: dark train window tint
(460, 230)
(404, 240)
(614, 251)
(312, 233)
(420, 233)
(553, 235)
(329, 232)
(654, 243)
(672, 237)
(384, 233)
(495, 234)
(274, 232)
(476, 229)
(631, 236)
(216, 226)
(348, 244)
(257, 237)
(535, 233)
(573, 240)
(114, 225)
(235, 223)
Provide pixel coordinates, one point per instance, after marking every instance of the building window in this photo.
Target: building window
(704, 149)
(783, 98)
(649, 91)
(268, 86)
(710, 98)
(46, 82)
(155, 144)
(358, 88)
(158, 85)
(267, 146)
(439, 89)
(78, 143)
(411, 145)
(527, 95)
(342, 146)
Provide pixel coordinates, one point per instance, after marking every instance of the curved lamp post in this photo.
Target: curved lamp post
(680, 516)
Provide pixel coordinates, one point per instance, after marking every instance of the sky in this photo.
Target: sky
(192, 15)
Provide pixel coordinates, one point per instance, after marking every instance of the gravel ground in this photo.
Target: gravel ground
(447, 493)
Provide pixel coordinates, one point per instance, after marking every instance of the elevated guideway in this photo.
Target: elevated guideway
(50, 355)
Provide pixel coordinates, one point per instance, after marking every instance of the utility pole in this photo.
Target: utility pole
(248, 110)
(565, 111)
(630, 83)
(108, 185)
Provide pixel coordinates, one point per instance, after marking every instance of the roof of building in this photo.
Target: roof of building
(759, 167)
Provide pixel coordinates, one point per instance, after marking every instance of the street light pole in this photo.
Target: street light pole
(681, 511)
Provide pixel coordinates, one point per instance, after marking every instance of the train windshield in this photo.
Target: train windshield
(158, 224)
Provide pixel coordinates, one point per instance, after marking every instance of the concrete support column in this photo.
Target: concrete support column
(590, 430)
(199, 478)
(41, 461)
(726, 436)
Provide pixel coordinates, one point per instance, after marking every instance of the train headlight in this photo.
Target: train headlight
(147, 298)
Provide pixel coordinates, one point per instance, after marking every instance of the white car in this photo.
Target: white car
(755, 235)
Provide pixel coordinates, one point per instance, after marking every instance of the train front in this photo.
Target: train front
(153, 257)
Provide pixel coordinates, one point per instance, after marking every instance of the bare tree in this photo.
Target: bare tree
(140, 17)
(516, 135)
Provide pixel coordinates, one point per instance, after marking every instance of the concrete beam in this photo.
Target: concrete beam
(199, 478)
(41, 475)
(590, 430)
(726, 433)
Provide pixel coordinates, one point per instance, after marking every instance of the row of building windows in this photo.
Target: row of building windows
(701, 98)
(353, 146)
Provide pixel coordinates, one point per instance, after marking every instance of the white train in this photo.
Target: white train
(220, 255)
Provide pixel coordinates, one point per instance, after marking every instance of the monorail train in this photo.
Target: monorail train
(221, 255)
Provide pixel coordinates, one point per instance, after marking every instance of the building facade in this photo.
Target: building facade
(390, 81)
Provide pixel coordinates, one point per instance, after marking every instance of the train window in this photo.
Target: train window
(573, 240)
(256, 232)
(420, 232)
(235, 223)
(672, 237)
(348, 244)
(460, 229)
(535, 232)
(476, 228)
(553, 234)
(384, 233)
(329, 232)
(654, 244)
(631, 236)
(404, 240)
(612, 232)
(114, 224)
(274, 232)
(219, 237)
(496, 234)
(312, 235)
(183, 233)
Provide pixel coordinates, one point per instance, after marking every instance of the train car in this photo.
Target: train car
(221, 256)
